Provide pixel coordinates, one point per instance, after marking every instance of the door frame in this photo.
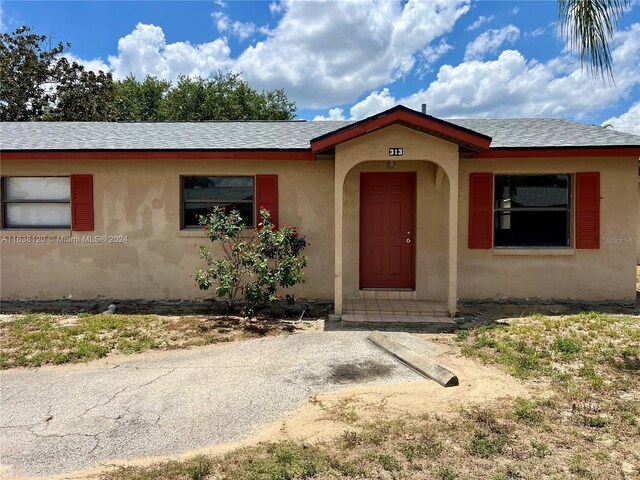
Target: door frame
(414, 177)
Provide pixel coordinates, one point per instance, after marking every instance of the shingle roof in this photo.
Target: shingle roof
(161, 135)
(545, 132)
(506, 133)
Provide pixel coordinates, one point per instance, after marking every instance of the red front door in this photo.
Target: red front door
(387, 218)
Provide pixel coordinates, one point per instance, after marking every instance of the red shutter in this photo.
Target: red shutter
(481, 210)
(267, 197)
(81, 203)
(588, 210)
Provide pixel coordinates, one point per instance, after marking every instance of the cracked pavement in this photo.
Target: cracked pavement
(57, 420)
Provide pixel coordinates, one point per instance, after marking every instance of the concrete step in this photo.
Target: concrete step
(395, 311)
(423, 323)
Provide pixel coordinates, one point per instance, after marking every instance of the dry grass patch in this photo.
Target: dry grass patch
(32, 340)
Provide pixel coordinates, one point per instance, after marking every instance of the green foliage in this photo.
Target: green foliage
(487, 444)
(38, 83)
(526, 411)
(255, 267)
(82, 96)
(275, 461)
(224, 97)
(590, 26)
(567, 345)
(140, 101)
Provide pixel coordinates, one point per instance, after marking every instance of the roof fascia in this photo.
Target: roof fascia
(301, 155)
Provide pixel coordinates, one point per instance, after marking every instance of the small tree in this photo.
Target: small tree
(256, 267)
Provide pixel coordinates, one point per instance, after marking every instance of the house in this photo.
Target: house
(400, 205)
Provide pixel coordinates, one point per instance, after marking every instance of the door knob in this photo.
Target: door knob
(408, 240)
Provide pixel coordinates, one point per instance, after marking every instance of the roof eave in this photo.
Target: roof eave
(561, 151)
(161, 154)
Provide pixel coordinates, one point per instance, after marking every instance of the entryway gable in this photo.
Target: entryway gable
(407, 144)
(469, 141)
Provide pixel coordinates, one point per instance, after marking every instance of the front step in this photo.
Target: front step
(422, 323)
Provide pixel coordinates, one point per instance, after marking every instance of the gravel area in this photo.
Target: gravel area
(62, 419)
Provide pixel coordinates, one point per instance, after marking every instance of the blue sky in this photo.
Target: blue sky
(351, 59)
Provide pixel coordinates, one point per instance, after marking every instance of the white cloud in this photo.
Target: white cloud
(242, 30)
(515, 10)
(146, 52)
(275, 8)
(334, 114)
(222, 21)
(432, 53)
(536, 33)
(374, 103)
(325, 53)
(479, 22)
(490, 41)
(307, 52)
(628, 122)
(220, 3)
(94, 65)
(512, 86)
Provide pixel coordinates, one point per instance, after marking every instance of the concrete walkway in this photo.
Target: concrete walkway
(61, 419)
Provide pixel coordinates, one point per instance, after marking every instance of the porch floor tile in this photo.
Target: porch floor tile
(393, 310)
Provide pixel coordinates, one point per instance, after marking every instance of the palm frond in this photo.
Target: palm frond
(589, 26)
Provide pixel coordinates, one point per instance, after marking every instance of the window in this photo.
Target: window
(201, 194)
(532, 210)
(36, 202)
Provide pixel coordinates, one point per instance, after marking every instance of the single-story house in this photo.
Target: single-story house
(400, 205)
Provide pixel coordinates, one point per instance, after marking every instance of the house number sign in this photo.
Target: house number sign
(396, 152)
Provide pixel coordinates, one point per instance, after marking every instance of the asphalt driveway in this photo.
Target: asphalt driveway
(61, 419)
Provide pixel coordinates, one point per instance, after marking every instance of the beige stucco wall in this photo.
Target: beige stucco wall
(638, 221)
(604, 274)
(141, 199)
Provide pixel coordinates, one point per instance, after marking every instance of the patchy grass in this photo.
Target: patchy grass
(32, 340)
(587, 425)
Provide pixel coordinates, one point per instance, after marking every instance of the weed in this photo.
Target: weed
(274, 461)
(389, 463)
(540, 449)
(526, 411)
(567, 345)
(447, 473)
(486, 445)
(351, 439)
(578, 465)
(462, 334)
(596, 421)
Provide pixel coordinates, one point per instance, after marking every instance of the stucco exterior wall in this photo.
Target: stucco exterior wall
(604, 274)
(140, 199)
